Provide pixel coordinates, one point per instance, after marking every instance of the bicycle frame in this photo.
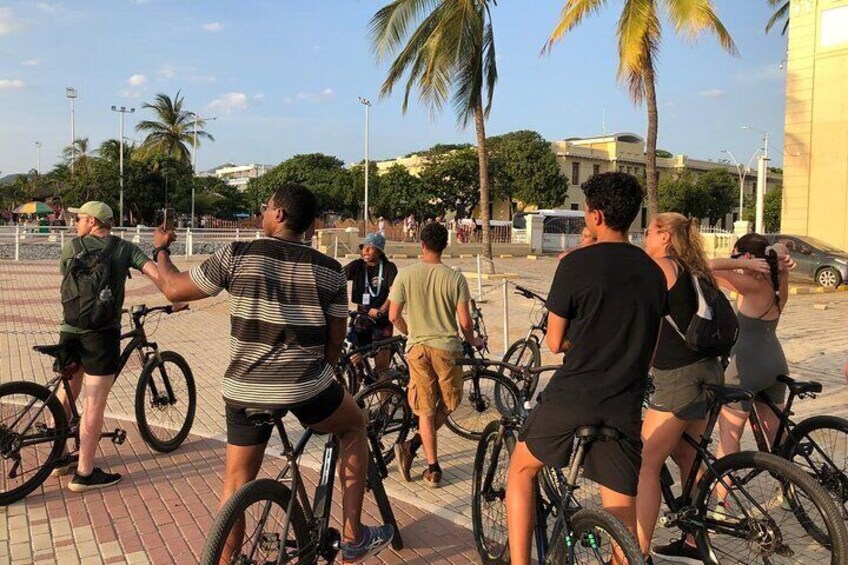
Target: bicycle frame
(785, 426)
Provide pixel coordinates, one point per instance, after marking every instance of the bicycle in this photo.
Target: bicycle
(33, 417)
(289, 528)
(773, 526)
(356, 368)
(819, 445)
(578, 534)
(527, 351)
(486, 395)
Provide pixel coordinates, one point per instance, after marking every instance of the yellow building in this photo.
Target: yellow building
(815, 195)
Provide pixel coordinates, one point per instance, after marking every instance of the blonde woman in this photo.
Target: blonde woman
(678, 404)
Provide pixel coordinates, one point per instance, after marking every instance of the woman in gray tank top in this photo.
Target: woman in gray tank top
(759, 274)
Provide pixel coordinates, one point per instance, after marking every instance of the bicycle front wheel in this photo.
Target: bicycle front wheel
(819, 445)
(253, 527)
(165, 402)
(486, 396)
(389, 415)
(593, 536)
(31, 424)
(525, 353)
(747, 516)
(488, 493)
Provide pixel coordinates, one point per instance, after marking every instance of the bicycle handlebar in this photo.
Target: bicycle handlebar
(527, 293)
(483, 362)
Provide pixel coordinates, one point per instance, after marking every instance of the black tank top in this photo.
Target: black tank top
(672, 351)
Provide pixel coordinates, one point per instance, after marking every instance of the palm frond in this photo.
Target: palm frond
(692, 17)
(781, 13)
(391, 24)
(572, 14)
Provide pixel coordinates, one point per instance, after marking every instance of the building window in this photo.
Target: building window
(575, 173)
(644, 219)
(596, 169)
(575, 206)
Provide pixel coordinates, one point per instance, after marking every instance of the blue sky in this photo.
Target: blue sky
(282, 77)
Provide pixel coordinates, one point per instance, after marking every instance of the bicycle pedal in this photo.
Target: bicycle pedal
(119, 436)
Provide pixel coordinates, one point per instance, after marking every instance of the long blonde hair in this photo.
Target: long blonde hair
(685, 243)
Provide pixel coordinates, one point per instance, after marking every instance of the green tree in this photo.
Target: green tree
(679, 193)
(447, 50)
(639, 33)
(772, 207)
(525, 170)
(357, 176)
(402, 194)
(717, 189)
(782, 13)
(78, 156)
(664, 154)
(324, 174)
(453, 181)
(172, 132)
(217, 198)
(110, 150)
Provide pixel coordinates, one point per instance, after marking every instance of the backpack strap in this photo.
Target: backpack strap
(76, 244)
(111, 244)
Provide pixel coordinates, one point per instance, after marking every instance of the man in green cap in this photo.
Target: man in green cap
(96, 345)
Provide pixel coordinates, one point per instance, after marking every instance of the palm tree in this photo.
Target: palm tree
(447, 48)
(639, 33)
(173, 132)
(111, 150)
(78, 155)
(782, 13)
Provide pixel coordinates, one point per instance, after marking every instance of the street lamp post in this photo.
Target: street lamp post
(367, 103)
(762, 173)
(197, 118)
(121, 110)
(71, 92)
(38, 157)
(742, 172)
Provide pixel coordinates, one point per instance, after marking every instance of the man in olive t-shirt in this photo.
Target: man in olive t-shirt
(434, 296)
(96, 351)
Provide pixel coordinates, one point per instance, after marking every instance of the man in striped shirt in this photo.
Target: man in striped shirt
(288, 313)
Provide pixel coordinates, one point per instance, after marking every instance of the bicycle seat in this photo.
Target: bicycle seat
(262, 416)
(598, 433)
(799, 387)
(728, 394)
(52, 350)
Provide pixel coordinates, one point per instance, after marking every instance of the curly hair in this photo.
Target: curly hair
(758, 246)
(617, 195)
(686, 243)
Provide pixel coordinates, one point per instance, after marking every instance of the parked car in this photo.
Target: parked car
(817, 261)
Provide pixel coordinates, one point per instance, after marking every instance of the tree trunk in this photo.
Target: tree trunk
(651, 141)
(483, 159)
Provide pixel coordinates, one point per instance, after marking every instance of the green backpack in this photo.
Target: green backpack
(87, 299)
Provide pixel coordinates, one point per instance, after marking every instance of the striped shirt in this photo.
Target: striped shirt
(281, 294)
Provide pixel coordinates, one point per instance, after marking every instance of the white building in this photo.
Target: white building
(238, 175)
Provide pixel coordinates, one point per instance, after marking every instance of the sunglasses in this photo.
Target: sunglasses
(736, 255)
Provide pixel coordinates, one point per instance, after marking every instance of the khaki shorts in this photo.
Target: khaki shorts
(435, 381)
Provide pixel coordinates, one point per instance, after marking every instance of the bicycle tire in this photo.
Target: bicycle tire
(57, 412)
(389, 415)
(534, 360)
(478, 406)
(145, 405)
(749, 465)
(584, 531)
(269, 491)
(492, 551)
(375, 483)
(830, 468)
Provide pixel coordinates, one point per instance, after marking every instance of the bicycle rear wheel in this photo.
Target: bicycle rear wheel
(758, 523)
(255, 517)
(488, 506)
(389, 415)
(165, 402)
(593, 536)
(23, 468)
(819, 446)
(486, 396)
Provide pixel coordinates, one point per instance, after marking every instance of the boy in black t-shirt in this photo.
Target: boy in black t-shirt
(606, 303)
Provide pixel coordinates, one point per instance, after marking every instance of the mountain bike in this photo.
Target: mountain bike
(357, 367)
(277, 521)
(819, 445)
(577, 534)
(34, 428)
(528, 350)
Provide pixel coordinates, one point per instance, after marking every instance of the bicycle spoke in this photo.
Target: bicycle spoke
(258, 536)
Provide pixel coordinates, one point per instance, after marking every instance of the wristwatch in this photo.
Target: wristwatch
(157, 250)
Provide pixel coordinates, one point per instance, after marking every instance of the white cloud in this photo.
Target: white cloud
(213, 26)
(230, 102)
(9, 23)
(131, 93)
(258, 97)
(713, 93)
(325, 94)
(136, 80)
(47, 8)
(11, 84)
(31, 63)
(167, 71)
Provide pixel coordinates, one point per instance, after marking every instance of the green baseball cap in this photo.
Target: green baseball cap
(95, 209)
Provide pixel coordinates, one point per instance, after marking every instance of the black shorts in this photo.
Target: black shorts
(243, 432)
(368, 334)
(99, 352)
(549, 434)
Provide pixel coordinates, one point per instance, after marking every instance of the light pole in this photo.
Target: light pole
(38, 157)
(121, 110)
(743, 174)
(367, 103)
(71, 92)
(197, 118)
(762, 172)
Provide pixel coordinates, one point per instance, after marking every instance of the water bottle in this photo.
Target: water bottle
(106, 295)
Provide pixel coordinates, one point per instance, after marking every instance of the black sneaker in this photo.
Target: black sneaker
(97, 479)
(679, 552)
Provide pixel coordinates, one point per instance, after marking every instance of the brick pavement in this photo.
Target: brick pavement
(813, 332)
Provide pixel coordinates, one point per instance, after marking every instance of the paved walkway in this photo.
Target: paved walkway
(162, 510)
